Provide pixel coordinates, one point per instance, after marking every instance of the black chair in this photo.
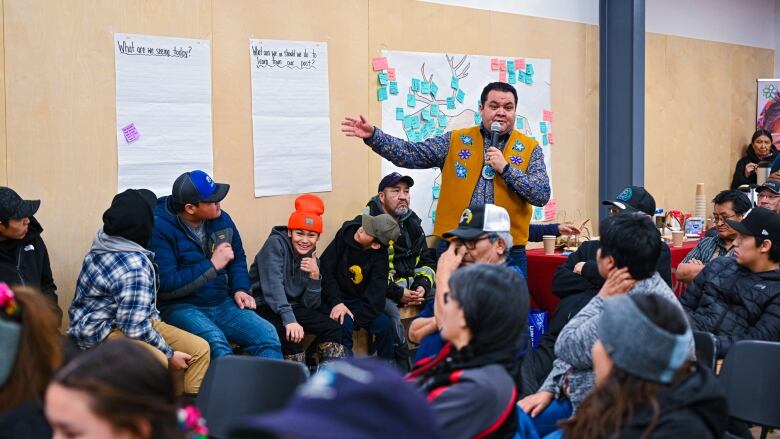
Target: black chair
(706, 348)
(236, 386)
(750, 376)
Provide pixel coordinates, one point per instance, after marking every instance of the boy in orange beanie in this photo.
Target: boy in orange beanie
(286, 283)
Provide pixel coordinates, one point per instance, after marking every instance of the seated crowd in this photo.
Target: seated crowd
(165, 286)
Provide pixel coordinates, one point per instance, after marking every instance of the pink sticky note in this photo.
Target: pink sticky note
(379, 63)
(547, 115)
(502, 76)
(494, 64)
(131, 133)
(551, 138)
(520, 64)
(550, 210)
(502, 65)
(391, 74)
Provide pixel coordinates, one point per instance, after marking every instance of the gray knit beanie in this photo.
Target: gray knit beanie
(639, 346)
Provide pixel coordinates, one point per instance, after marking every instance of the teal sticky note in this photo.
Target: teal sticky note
(425, 87)
(415, 84)
(426, 114)
(545, 140)
(520, 124)
(442, 120)
(434, 89)
(512, 77)
(399, 113)
(411, 100)
(529, 79)
(382, 78)
(454, 83)
(408, 122)
(417, 137)
(529, 69)
(510, 65)
(415, 122)
(450, 103)
(543, 127)
(438, 131)
(381, 93)
(434, 110)
(521, 77)
(477, 119)
(393, 87)
(461, 96)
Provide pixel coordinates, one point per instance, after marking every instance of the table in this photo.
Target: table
(541, 268)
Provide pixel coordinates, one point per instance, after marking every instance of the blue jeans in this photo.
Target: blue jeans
(223, 322)
(381, 328)
(557, 410)
(517, 258)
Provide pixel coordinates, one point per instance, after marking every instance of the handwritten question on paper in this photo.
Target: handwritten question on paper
(131, 48)
(291, 58)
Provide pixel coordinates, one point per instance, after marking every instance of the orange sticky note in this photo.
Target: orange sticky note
(494, 64)
(502, 76)
(391, 74)
(502, 65)
(551, 138)
(520, 64)
(379, 63)
(547, 115)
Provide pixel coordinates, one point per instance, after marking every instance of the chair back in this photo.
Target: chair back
(750, 377)
(237, 386)
(706, 350)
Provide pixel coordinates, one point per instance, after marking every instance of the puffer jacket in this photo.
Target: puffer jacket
(186, 272)
(734, 303)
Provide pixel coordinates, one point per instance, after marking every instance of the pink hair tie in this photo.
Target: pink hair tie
(8, 301)
(191, 422)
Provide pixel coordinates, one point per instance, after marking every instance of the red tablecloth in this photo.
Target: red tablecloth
(541, 268)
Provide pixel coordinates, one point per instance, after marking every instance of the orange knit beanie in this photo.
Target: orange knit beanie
(307, 215)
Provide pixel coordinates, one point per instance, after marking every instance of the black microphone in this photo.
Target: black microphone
(495, 127)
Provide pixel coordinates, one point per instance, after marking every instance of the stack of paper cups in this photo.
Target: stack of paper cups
(701, 202)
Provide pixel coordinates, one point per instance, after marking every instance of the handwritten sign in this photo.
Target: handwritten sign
(294, 73)
(163, 87)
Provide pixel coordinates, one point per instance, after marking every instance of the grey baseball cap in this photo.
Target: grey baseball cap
(382, 227)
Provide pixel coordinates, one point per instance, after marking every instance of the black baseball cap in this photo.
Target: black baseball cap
(197, 187)
(771, 185)
(759, 222)
(633, 199)
(392, 179)
(12, 206)
(476, 221)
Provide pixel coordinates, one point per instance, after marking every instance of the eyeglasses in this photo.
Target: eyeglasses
(768, 196)
(472, 243)
(718, 218)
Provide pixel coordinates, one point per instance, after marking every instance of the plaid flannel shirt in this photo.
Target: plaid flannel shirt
(115, 290)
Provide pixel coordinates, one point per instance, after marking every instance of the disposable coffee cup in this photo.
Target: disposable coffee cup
(549, 244)
(677, 238)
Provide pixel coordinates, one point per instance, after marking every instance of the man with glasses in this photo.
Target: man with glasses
(769, 195)
(728, 205)
(482, 236)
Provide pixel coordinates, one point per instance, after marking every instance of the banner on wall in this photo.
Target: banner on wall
(768, 107)
(290, 117)
(428, 94)
(163, 109)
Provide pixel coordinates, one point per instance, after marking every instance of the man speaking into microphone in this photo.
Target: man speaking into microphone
(491, 163)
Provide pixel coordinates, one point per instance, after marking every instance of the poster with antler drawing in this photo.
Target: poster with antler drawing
(429, 94)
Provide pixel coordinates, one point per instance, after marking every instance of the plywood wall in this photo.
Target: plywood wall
(57, 124)
(700, 110)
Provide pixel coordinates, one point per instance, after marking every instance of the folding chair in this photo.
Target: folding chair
(237, 386)
(750, 376)
(706, 348)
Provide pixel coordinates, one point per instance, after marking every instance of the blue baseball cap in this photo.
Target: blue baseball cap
(196, 186)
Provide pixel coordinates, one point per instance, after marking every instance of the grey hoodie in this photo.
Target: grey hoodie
(277, 279)
(574, 344)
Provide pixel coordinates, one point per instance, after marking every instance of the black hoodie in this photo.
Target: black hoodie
(750, 157)
(694, 408)
(26, 262)
(350, 272)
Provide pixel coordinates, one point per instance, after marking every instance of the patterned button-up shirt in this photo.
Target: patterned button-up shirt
(708, 249)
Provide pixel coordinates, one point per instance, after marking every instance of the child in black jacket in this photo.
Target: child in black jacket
(354, 278)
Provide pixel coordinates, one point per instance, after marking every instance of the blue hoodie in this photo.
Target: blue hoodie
(186, 272)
